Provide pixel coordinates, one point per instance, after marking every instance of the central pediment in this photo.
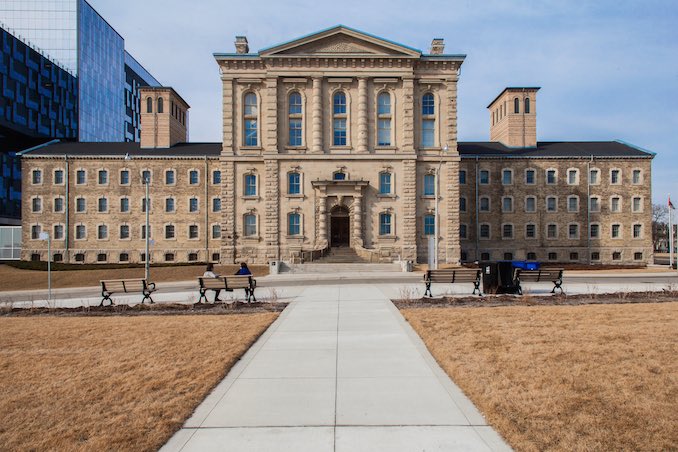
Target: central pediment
(340, 41)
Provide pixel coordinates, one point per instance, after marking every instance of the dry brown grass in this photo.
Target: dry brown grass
(115, 383)
(15, 279)
(564, 377)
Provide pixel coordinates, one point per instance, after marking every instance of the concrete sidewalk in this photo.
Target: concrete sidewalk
(340, 370)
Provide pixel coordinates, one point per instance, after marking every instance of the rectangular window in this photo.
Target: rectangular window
(143, 204)
(80, 232)
(595, 256)
(484, 204)
(462, 177)
(574, 256)
(593, 177)
(37, 176)
(80, 177)
(193, 231)
(102, 232)
(250, 185)
(637, 231)
(36, 205)
(572, 204)
(124, 177)
(339, 132)
(193, 177)
(169, 231)
(169, 205)
(530, 231)
(294, 183)
(530, 177)
(384, 132)
(636, 204)
(428, 133)
(124, 204)
(572, 177)
(462, 204)
(507, 204)
(595, 205)
(615, 205)
(429, 225)
(143, 232)
(384, 183)
(80, 205)
(616, 229)
(552, 231)
(169, 178)
(484, 231)
(507, 177)
(636, 177)
(216, 205)
(58, 177)
(58, 204)
(551, 177)
(463, 231)
(616, 256)
(385, 224)
(594, 231)
(551, 204)
(573, 231)
(251, 132)
(145, 177)
(58, 232)
(484, 177)
(216, 231)
(295, 132)
(429, 185)
(294, 224)
(530, 204)
(103, 205)
(638, 256)
(193, 205)
(35, 232)
(216, 177)
(507, 231)
(124, 231)
(614, 177)
(103, 177)
(250, 225)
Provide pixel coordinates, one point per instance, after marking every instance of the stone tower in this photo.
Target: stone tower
(513, 117)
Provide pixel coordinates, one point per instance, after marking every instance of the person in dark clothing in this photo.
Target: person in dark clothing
(244, 270)
(209, 273)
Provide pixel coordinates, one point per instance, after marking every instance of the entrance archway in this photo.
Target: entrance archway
(339, 227)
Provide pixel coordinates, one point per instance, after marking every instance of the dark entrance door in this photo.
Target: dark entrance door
(339, 227)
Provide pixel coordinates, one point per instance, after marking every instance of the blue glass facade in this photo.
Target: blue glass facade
(135, 77)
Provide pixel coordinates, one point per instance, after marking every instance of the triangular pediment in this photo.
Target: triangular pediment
(340, 41)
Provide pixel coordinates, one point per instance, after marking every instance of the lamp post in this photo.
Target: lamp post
(45, 236)
(146, 180)
(436, 224)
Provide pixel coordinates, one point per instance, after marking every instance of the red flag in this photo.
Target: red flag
(671, 204)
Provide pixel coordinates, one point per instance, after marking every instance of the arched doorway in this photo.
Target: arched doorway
(339, 227)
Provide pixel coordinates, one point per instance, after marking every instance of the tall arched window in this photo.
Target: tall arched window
(250, 119)
(149, 105)
(293, 224)
(428, 120)
(295, 119)
(527, 105)
(160, 106)
(339, 119)
(384, 119)
(516, 105)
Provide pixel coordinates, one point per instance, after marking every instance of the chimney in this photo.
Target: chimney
(437, 46)
(513, 117)
(164, 117)
(241, 45)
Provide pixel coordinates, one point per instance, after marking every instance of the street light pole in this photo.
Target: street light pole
(46, 236)
(148, 231)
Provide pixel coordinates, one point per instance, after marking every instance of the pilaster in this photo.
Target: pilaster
(357, 233)
(451, 245)
(362, 116)
(227, 105)
(228, 211)
(270, 106)
(272, 214)
(317, 117)
(409, 203)
(408, 115)
(322, 240)
(451, 118)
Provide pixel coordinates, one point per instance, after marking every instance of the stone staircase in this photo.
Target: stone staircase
(340, 260)
(341, 255)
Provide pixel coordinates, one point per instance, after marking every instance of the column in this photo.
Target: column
(451, 243)
(271, 186)
(357, 233)
(228, 242)
(451, 119)
(317, 117)
(227, 105)
(409, 209)
(270, 110)
(322, 220)
(362, 115)
(408, 115)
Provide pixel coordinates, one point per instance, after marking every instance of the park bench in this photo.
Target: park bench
(453, 276)
(111, 286)
(554, 275)
(228, 284)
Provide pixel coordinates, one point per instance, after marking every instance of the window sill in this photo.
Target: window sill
(251, 238)
(427, 197)
(251, 148)
(295, 196)
(341, 148)
(250, 198)
(385, 148)
(386, 196)
(295, 148)
(387, 238)
(296, 238)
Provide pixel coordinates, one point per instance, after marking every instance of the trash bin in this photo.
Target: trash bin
(498, 277)
(506, 270)
(490, 277)
(274, 267)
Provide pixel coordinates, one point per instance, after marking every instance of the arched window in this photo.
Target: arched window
(339, 119)
(294, 183)
(339, 175)
(250, 119)
(160, 106)
(295, 119)
(250, 223)
(149, 105)
(385, 183)
(294, 224)
(428, 120)
(385, 224)
(527, 105)
(384, 119)
(516, 105)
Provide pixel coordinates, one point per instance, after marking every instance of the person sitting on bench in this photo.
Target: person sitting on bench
(244, 270)
(209, 273)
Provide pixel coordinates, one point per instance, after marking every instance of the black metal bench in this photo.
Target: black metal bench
(452, 276)
(111, 286)
(553, 275)
(228, 284)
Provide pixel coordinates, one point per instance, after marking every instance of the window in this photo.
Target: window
(530, 177)
(384, 183)
(102, 257)
(216, 177)
(595, 256)
(428, 120)
(80, 232)
(615, 204)
(637, 204)
(169, 205)
(192, 257)
(593, 176)
(143, 232)
(553, 256)
(385, 224)
(251, 119)
(250, 185)
(124, 177)
(36, 204)
(636, 177)
(530, 231)
(429, 224)
(339, 119)
(146, 177)
(573, 231)
(552, 231)
(616, 256)
(594, 204)
(516, 105)
(58, 257)
(102, 232)
(484, 231)
(484, 256)
(37, 177)
(193, 177)
(551, 177)
(572, 177)
(462, 177)
(58, 233)
(216, 231)
(573, 204)
(124, 205)
(103, 205)
(293, 183)
(462, 204)
(170, 177)
(149, 105)
(36, 229)
(531, 256)
(551, 204)
(58, 204)
(638, 256)
(527, 105)
(429, 185)
(507, 204)
(216, 257)
(103, 177)
(169, 257)
(574, 256)
(216, 204)
(193, 205)
(124, 231)
(463, 231)
(294, 224)
(484, 204)
(637, 231)
(193, 231)
(507, 177)
(484, 177)
(80, 205)
(384, 119)
(142, 257)
(615, 177)
(161, 107)
(80, 257)
(80, 177)
(616, 231)
(508, 256)
(594, 231)
(169, 231)
(124, 257)
(250, 225)
(58, 177)
(143, 204)
(339, 175)
(530, 204)
(507, 231)
(295, 119)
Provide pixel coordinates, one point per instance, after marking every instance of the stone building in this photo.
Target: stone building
(340, 139)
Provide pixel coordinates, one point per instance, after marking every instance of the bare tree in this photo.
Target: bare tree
(660, 227)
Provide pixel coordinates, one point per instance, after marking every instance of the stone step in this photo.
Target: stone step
(317, 267)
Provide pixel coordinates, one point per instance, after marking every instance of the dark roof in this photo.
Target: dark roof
(515, 88)
(576, 149)
(467, 149)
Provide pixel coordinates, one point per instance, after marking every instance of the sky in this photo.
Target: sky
(608, 70)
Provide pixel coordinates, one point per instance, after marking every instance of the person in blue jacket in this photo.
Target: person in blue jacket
(243, 269)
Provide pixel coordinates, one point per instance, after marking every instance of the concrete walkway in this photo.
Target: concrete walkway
(340, 370)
